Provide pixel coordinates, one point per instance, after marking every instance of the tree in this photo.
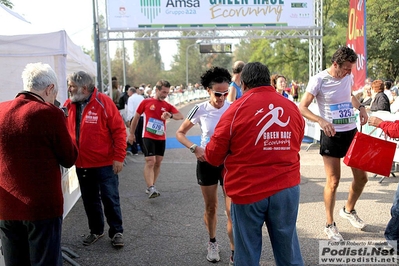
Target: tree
(285, 56)
(117, 66)
(7, 3)
(147, 64)
(177, 74)
(335, 25)
(218, 59)
(382, 39)
(242, 51)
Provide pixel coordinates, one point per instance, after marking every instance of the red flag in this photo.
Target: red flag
(356, 39)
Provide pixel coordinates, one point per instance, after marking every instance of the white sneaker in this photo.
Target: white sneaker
(153, 192)
(213, 252)
(353, 218)
(333, 233)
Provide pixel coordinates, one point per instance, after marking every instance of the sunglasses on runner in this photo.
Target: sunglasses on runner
(220, 94)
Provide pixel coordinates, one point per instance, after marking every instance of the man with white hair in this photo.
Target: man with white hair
(34, 142)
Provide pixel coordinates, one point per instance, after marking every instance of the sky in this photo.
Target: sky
(76, 18)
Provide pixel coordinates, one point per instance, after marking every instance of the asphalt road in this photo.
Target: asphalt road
(169, 230)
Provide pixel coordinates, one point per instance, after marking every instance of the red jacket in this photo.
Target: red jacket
(391, 128)
(34, 142)
(102, 137)
(258, 139)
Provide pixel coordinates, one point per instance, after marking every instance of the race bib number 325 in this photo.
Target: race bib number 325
(342, 113)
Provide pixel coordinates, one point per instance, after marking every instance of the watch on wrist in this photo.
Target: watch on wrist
(171, 115)
(192, 148)
(360, 106)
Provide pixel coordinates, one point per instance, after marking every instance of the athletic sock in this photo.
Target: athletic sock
(329, 225)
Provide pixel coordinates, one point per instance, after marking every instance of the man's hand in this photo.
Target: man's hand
(131, 139)
(117, 166)
(200, 154)
(363, 116)
(327, 127)
(375, 121)
(166, 115)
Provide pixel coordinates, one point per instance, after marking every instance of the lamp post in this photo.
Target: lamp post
(197, 42)
(97, 56)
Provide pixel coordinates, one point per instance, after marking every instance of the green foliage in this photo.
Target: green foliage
(147, 64)
(242, 51)
(335, 24)
(286, 56)
(117, 65)
(146, 67)
(7, 3)
(189, 60)
(383, 39)
(148, 72)
(89, 52)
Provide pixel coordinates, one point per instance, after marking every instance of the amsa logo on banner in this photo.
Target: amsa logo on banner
(355, 252)
(130, 15)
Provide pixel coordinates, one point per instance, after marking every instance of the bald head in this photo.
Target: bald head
(237, 67)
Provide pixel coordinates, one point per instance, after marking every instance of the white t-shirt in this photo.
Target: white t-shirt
(207, 117)
(389, 94)
(395, 106)
(333, 98)
(132, 103)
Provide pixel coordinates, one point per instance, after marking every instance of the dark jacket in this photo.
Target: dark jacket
(380, 103)
(123, 101)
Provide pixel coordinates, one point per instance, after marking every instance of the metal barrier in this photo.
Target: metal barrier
(179, 98)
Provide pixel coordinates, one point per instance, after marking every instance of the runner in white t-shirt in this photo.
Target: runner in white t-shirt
(207, 114)
(332, 90)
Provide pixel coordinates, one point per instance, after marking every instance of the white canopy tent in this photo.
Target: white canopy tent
(21, 43)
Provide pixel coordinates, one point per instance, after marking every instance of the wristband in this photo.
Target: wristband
(171, 115)
(360, 106)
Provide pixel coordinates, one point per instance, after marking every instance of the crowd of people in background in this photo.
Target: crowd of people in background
(291, 90)
(379, 95)
(370, 95)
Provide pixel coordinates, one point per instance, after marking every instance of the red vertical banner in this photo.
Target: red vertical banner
(356, 39)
